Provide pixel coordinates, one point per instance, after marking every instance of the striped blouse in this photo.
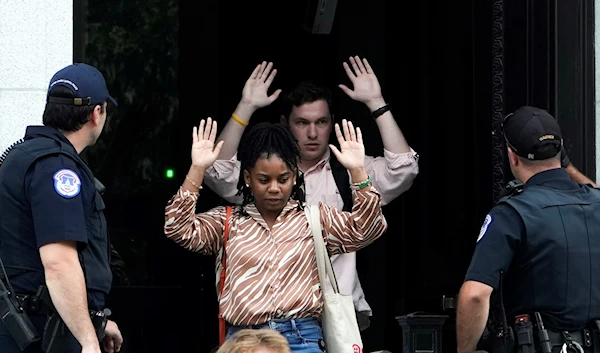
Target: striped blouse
(271, 273)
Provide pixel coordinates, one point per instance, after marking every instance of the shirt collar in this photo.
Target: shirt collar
(552, 178)
(34, 131)
(38, 131)
(322, 162)
(255, 214)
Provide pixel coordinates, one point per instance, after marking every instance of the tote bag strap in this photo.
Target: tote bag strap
(324, 266)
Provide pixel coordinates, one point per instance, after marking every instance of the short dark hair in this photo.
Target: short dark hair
(65, 117)
(269, 139)
(308, 92)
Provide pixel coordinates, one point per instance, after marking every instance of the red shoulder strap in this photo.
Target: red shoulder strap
(222, 328)
(225, 238)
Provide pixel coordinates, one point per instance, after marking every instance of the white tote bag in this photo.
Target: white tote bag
(340, 328)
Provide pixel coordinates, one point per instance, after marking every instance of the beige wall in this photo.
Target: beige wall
(36, 40)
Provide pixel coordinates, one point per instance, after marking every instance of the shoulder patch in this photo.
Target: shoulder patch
(484, 227)
(67, 183)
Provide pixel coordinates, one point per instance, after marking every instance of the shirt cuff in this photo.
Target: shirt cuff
(397, 160)
(187, 196)
(223, 168)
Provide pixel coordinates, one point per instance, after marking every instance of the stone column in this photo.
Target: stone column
(36, 40)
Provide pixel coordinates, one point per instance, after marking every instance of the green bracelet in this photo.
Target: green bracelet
(362, 184)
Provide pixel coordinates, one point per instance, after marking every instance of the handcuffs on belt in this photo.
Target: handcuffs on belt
(573, 346)
(570, 344)
(99, 320)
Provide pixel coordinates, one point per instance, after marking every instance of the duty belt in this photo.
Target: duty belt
(571, 341)
(34, 305)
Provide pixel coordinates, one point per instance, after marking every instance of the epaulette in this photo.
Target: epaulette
(99, 186)
(5, 153)
(514, 187)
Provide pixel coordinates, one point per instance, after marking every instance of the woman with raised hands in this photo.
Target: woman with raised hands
(271, 278)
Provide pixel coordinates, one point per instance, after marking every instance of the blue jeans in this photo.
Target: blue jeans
(303, 335)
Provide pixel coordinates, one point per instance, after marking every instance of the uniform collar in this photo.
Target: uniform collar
(34, 131)
(556, 177)
(38, 131)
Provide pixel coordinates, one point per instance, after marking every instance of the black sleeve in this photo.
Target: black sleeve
(498, 241)
(56, 201)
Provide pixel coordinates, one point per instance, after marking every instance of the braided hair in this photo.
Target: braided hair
(269, 139)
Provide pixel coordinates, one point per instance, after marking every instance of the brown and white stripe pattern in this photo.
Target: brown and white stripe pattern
(272, 273)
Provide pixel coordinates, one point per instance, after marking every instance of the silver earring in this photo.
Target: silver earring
(247, 185)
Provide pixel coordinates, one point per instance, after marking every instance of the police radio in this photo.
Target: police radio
(5, 153)
(14, 317)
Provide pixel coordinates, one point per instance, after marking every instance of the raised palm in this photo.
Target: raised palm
(257, 85)
(204, 151)
(365, 83)
(352, 154)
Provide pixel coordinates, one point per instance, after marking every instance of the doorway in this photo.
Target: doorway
(171, 64)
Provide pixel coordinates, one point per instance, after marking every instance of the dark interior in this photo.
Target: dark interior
(170, 64)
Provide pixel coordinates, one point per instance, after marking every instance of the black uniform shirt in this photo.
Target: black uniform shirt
(61, 196)
(500, 247)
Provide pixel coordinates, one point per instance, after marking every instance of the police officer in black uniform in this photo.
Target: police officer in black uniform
(545, 238)
(53, 235)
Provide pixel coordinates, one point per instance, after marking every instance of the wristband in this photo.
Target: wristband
(362, 184)
(379, 112)
(240, 121)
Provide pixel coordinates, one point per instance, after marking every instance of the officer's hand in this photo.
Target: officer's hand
(204, 151)
(112, 337)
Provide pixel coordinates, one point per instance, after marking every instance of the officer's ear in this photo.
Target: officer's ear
(512, 157)
(98, 113)
(283, 119)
